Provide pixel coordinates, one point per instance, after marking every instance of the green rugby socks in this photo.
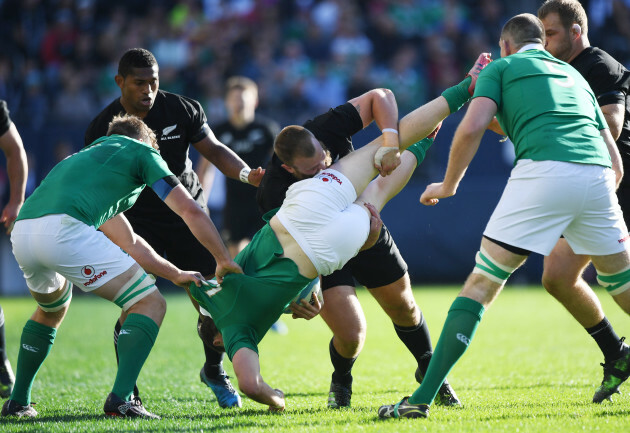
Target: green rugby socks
(459, 328)
(458, 95)
(35, 345)
(419, 149)
(135, 341)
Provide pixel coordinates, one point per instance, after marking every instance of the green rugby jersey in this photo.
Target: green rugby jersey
(98, 182)
(546, 108)
(246, 305)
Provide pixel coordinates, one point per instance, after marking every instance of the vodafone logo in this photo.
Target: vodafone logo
(88, 271)
(327, 177)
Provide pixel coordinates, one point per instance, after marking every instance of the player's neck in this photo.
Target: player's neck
(580, 45)
(240, 121)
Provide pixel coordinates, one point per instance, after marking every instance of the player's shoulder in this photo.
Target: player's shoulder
(175, 100)
(596, 60)
(98, 126)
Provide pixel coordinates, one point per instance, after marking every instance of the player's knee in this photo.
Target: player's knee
(615, 284)
(405, 312)
(350, 345)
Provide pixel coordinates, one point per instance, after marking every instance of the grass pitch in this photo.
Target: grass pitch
(530, 368)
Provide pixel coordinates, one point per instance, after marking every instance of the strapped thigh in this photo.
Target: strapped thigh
(490, 268)
(615, 284)
(138, 287)
(62, 301)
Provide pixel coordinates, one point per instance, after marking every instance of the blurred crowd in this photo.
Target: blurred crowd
(58, 57)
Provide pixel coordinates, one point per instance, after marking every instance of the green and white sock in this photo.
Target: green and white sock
(35, 345)
(135, 342)
(459, 328)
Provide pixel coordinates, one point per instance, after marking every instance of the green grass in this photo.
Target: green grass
(531, 368)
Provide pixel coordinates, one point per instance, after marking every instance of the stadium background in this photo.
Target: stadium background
(58, 59)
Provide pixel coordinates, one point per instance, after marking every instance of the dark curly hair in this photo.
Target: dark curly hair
(135, 58)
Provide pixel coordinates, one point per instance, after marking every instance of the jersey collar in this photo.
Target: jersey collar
(531, 47)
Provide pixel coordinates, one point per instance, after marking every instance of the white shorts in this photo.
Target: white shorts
(57, 246)
(321, 216)
(546, 199)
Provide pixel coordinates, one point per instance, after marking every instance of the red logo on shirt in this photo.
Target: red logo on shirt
(87, 271)
(331, 176)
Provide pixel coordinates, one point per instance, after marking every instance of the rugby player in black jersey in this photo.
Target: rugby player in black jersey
(178, 122)
(380, 268)
(566, 30)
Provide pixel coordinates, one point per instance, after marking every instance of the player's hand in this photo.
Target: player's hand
(376, 224)
(9, 214)
(255, 176)
(229, 267)
(434, 192)
(305, 310)
(387, 157)
(280, 407)
(186, 277)
(386, 160)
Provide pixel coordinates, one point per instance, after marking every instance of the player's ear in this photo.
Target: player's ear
(119, 80)
(288, 168)
(576, 29)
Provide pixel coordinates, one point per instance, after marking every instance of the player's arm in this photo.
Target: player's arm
(202, 227)
(463, 149)
(11, 145)
(119, 231)
(246, 366)
(615, 156)
(226, 160)
(378, 105)
(614, 114)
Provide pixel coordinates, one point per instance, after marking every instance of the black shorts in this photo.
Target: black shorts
(375, 267)
(174, 241)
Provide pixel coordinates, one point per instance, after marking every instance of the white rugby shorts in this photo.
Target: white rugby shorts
(546, 199)
(321, 216)
(56, 246)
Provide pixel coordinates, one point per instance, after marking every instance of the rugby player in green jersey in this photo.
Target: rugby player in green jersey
(562, 184)
(71, 230)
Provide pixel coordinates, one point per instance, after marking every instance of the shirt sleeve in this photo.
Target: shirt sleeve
(152, 166)
(610, 83)
(489, 83)
(198, 127)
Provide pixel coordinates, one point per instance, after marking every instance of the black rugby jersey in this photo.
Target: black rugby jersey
(253, 144)
(334, 129)
(610, 82)
(177, 121)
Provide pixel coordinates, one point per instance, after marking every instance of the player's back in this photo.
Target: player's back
(546, 108)
(98, 182)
